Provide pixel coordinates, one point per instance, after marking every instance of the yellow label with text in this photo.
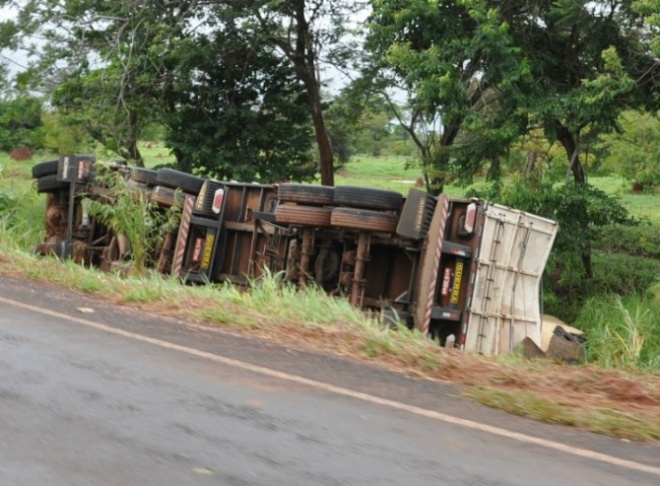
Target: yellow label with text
(208, 250)
(199, 202)
(456, 290)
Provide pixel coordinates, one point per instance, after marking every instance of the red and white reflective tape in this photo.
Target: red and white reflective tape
(433, 283)
(182, 237)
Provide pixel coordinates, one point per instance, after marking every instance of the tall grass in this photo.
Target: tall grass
(21, 208)
(622, 332)
(132, 214)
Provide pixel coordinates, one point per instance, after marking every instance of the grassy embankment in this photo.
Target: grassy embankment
(623, 402)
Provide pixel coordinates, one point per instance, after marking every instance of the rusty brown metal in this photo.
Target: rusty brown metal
(362, 257)
(165, 253)
(307, 251)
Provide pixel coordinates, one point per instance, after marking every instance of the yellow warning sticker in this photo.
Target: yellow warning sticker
(456, 290)
(208, 250)
(199, 203)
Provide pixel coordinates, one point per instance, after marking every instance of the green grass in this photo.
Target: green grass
(641, 205)
(623, 333)
(21, 208)
(627, 425)
(392, 173)
(155, 154)
(401, 173)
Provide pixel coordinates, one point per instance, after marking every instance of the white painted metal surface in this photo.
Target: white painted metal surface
(505, 304)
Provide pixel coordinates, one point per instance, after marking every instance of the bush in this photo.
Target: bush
(639, 240)
(582, 212)
(566, 289)
(133, 215)
(65, 134)
(20, 122)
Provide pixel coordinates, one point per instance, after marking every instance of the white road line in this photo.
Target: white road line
(549, 444)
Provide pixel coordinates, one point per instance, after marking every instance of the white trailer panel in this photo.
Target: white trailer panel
(512, 254)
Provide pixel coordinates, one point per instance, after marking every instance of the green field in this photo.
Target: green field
(386, 172)
(400, 174)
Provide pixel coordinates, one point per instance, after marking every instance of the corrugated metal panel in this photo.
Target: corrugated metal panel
(505, 305)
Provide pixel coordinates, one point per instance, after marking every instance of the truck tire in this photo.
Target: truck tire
(139, 188)
(365, 220)
(306, 194)
(303, 215)
(50, 183)
(145, 176)
(364, 197)
(165, 196)
(175, 179)
(44, 169)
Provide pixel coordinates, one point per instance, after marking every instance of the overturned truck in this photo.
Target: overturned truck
(464, 271)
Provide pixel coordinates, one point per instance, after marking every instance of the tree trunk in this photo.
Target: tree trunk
(134, 154)
(326, 156)
(134, 133)
(568, 140)
(304, 57)
(182, 162)
(530, 162)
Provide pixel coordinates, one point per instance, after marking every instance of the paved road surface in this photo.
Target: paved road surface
(84, 406)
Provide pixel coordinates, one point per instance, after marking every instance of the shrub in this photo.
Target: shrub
(639, 240)
(132, 214)
(580, 211)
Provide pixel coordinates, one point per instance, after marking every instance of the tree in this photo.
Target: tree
(120, 67)
(457, 65)
(633, 151)
(244, 113)
(103, 62)
(308, 32)
(487, 72)
(589, 61)
(358, 124)
(20, 122)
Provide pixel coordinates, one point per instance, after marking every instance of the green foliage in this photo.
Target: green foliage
(479, 73)
(362, 125)
(569, 204)
(633, 151)
(622, 332)
(227, 103)
(8, 207)
(130, 213)
(64, 135)
(459, 67)
(20, 122)
(642, 239)
(243, 115)
(580, 212)
(566, 289)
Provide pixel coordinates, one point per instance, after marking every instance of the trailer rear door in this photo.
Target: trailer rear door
(505, 307)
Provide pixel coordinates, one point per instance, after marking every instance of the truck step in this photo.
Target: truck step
(446, 314)
(451, 248)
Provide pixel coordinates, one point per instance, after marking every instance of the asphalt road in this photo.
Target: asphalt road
(81, 404)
